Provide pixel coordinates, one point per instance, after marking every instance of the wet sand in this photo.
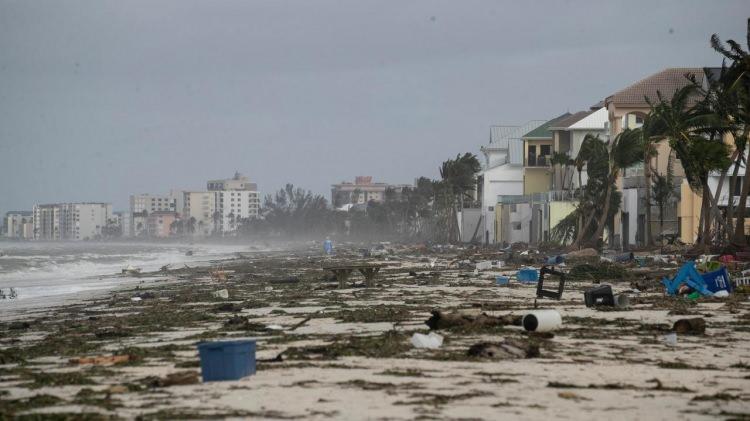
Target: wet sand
(346, 354)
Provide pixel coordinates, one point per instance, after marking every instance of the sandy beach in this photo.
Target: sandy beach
(330, 353)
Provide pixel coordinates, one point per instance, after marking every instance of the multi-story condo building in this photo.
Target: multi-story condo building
(159, 223)
(19, 225)
(362, 191)
(199, 212)
(71, 221)
(141, 205)
(234, 206)
(238, 182)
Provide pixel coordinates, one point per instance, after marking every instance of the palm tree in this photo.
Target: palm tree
(663, 189)
(564, 161)
(625, 150)
(649, 153)
(733, 88)
(682, 123)
(459, 179)
(595, 156)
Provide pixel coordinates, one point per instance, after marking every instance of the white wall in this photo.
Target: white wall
(502, 180)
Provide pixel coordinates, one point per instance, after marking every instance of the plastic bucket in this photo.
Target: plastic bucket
(528, 275)
(502, 280)
(227, 360)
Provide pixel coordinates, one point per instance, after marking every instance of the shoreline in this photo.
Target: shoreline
(336, 353)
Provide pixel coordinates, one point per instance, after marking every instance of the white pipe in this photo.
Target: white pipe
(542, 320)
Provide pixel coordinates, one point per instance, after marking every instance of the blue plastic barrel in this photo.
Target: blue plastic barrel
(528, 275)
(501, 280)
(227, 360)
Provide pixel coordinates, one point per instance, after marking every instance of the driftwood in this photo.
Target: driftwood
(100, 360)
(509, 348)
(440, 320)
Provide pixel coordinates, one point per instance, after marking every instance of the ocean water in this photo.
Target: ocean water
(47, 274)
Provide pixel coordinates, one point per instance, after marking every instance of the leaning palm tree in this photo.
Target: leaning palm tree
(663, 190)
(649, 153)
(564, 161)
(594, 155)
(682, 122)
(625, 150)
(734, 84)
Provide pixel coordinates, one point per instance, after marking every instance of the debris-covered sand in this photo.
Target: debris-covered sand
(327, 353)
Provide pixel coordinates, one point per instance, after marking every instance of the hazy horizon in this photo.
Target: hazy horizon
(100, 100)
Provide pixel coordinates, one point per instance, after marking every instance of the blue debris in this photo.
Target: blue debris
(705, 284)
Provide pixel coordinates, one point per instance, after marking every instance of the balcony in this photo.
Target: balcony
(538, 161)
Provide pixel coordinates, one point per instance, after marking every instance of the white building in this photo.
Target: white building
(19, 225)
(143, 204)
(124, 220)
(238, 182)
(594, 124)
(198, 212)
(503, 171)
(234, 206)
(71, 221)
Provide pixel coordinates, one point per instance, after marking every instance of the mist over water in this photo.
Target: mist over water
(49, 273)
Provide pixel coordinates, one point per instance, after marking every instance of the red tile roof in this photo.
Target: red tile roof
(667, 82)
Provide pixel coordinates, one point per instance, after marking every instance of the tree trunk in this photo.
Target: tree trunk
(739, 229)
(647, 175)
(706, 215)
(732, 185)
(603, 218)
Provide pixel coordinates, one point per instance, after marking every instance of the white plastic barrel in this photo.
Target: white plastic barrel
(542, 320)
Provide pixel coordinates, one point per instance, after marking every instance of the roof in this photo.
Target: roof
(543, 131)
(594, 121)
(564, 123)
(500, 133)
(667, 82)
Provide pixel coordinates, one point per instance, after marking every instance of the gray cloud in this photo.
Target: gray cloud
(102, 99)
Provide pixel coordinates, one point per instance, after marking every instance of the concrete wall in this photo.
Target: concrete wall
(537, 180)
(498, 181)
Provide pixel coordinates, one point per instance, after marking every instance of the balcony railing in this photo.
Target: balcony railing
(538, 161)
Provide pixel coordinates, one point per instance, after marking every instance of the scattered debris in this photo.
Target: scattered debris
(694, 326)
(542, 321)
(440, 320)
(101, 360)
(429, 341)
(507, 349)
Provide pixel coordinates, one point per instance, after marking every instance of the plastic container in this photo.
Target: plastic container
(502, 280)
(429, 341)
(621, 301)
(541, 321)
(717, 280)
(528, 275)
(227, 360)
(599, 296)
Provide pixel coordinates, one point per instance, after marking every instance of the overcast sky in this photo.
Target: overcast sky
(102, 99)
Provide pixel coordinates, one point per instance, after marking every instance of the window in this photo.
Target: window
(546, 150)
(516, 226)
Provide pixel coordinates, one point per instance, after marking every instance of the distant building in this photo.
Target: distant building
(141, 205)
(71, 221)
(235, 199)
(159, 223)
(19, 225)
(123, 220)
(362, 191)
(238, 182)
(235, 206)
(198, 212)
